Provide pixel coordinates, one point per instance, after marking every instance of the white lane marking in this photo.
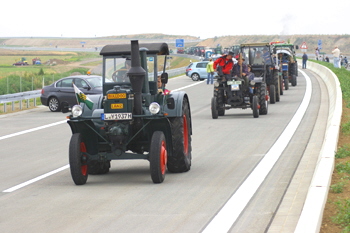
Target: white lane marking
(229, 213)
(31, 130)
(14, 188)
(194, 84)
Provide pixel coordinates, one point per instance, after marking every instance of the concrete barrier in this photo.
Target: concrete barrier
(311, 216)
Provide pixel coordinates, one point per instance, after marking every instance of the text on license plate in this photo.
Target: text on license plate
(117, 106)
(234, 82)
(116, 116)
(116, 96)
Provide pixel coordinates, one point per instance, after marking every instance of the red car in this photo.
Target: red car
(20, 63)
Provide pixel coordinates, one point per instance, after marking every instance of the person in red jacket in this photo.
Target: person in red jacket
(226, 64)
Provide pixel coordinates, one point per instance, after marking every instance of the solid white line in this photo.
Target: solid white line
(31, 130)
(230, 212)
(14, 188)
(194, 84)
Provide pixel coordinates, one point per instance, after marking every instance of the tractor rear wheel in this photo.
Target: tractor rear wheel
(180, 159)
(272, 93)
(158, 157)
(77, 159)
(277, 86)
(261, 93)
(286, 83)
(294, 80)
(255, 106)
(214, 108)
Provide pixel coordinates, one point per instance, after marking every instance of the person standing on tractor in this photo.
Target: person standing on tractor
(223, 65)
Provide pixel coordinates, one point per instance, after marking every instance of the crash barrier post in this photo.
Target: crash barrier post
(311, 215)
(14, 98)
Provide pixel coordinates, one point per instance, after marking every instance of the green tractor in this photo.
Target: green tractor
(134, 117)
(287, 62)
(260, 57)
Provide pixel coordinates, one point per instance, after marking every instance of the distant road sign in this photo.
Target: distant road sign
(180, 43)
(303, 47)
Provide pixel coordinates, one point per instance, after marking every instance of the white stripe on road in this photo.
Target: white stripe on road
(14, 188)
(194, 84)
(31, 130)
(229, 213)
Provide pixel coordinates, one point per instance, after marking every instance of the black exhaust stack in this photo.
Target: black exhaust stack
(137, 76)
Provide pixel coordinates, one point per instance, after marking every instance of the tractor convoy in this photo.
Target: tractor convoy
(136, 117)
(272, 67)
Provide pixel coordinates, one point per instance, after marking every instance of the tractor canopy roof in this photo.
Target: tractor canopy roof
(125, 49)
(256, 45)
(286, 51)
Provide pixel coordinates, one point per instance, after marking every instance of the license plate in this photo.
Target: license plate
(234, 87)
(117, 106)
(116, 116)
(116, 96)
(234, 82)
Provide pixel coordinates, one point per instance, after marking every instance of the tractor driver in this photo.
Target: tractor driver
(240, 67)
(121, 74)
(258, 58)
(226, 63)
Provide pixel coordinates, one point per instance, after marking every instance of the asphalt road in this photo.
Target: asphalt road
(226, 151)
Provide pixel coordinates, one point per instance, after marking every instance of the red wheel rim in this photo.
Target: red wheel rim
(163, 157)
(185, 136)
(83, 167)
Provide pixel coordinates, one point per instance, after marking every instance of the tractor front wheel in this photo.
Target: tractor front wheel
(78, 160)
(158, 157)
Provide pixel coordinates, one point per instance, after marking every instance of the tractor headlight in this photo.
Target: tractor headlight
(154, 108)
(216, 84)
(77, 110)
(252, 82)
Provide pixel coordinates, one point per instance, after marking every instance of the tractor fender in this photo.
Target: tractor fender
(174, 103)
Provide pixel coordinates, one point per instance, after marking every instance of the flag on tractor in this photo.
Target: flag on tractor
(82, 98)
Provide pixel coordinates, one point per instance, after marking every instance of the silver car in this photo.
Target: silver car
(198, 71)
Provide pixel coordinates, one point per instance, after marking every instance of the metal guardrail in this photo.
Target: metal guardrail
(28, 95)
(19, 97)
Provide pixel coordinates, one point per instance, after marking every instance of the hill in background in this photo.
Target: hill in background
(328, 41)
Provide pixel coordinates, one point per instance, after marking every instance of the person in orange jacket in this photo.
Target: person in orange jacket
(226, 64)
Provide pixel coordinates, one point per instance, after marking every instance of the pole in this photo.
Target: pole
(241, 65)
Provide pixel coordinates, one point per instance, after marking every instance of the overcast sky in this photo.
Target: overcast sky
(204, 19)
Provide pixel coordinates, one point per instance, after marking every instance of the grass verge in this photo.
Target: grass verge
(336, 216)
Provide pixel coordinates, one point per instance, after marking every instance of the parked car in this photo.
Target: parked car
(20, 63)
(198, 71)
(62, 90)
